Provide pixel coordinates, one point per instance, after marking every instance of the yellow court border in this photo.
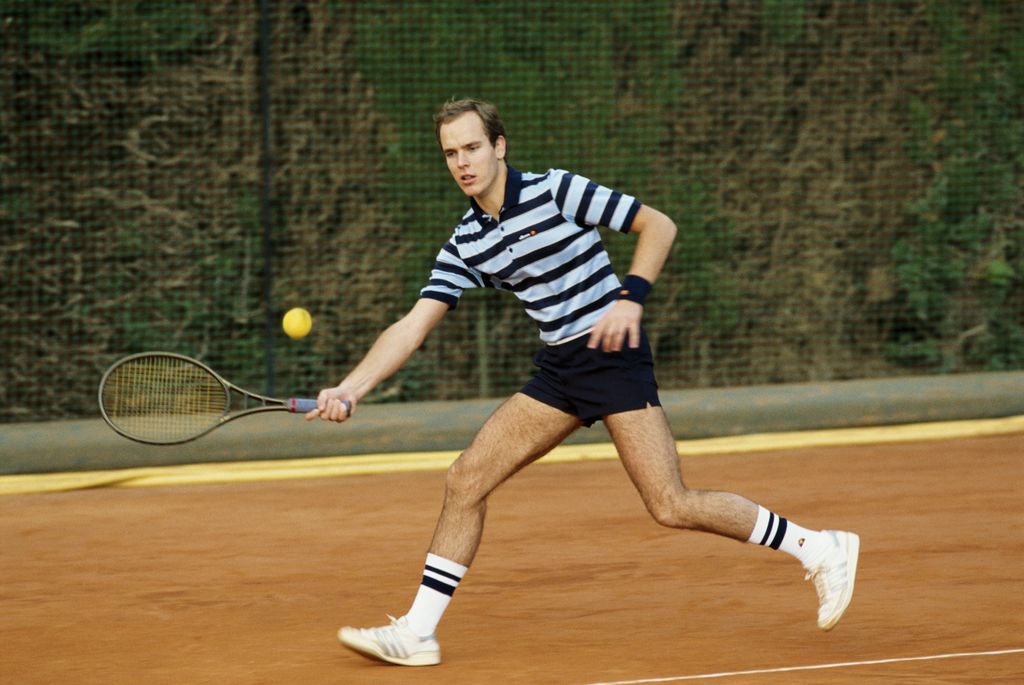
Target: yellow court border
(324, 467)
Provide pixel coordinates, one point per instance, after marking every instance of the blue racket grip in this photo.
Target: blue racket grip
(297, 406)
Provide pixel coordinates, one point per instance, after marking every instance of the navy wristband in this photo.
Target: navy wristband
(634, 288)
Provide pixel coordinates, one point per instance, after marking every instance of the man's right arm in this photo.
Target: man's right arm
(387, 355)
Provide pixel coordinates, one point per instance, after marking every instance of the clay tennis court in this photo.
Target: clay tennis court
(248, 582)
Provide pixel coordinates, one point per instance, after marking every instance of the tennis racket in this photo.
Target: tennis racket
(161, 398)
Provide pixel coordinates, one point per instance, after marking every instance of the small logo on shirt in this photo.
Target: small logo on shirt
(800, 542)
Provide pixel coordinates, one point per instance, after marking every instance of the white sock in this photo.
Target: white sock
(772, 530)
(440, 578)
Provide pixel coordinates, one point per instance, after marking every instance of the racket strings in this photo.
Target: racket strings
(163, 399)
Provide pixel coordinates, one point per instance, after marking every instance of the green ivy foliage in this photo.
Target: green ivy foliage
(960, 262)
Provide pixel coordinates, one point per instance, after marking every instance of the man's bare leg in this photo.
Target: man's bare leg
(519, 432)
(647, 450)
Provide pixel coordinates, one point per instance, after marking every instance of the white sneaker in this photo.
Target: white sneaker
(395, 644)
(834, 576)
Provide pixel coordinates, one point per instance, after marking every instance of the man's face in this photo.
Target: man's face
(473, 162)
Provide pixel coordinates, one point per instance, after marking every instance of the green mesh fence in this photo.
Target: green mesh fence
(846, 177)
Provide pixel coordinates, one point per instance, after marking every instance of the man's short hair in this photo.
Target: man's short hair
(488, 113)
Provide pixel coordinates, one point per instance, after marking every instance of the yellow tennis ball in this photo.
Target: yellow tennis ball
(297, 323)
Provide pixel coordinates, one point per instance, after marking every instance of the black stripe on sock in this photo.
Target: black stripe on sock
(768, 530)
(434, 569)
(435, 584)
(777, 540)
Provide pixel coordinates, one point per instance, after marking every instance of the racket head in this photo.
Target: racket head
(162, 398)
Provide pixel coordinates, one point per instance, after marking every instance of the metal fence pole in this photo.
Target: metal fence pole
(266, 194)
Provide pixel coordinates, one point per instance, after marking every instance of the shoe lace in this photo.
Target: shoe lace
(827, 580)
(390, 638)
(819, 577)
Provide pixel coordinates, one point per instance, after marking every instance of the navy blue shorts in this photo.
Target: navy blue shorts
(591, 384)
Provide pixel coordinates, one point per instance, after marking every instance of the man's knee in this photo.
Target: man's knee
(672, 512)
(462, 482)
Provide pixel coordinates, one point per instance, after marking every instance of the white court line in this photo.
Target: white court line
(815, 667)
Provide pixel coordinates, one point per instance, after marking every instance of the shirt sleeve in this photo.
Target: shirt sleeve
(587, 203)
(450, 276)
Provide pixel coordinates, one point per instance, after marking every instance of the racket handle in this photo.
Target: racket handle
(297, 406)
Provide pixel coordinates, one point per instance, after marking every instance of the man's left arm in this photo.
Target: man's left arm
(655, 233)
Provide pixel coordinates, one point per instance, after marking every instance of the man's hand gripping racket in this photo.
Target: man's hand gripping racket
(333, 404)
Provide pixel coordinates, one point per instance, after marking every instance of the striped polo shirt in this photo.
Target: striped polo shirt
(543, 246)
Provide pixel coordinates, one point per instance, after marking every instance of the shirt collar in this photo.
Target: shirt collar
(513, 184)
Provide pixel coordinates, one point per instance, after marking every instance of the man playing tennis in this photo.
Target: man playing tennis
(536, 235)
